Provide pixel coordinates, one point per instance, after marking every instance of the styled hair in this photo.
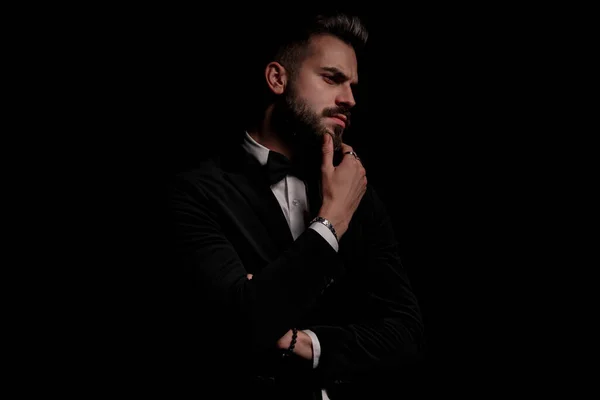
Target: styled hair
(292, 46)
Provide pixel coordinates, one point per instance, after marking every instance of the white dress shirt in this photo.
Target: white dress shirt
(292, 197)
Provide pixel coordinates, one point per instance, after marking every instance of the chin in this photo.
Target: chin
(336, 135)
(335, 131)
(337, 141)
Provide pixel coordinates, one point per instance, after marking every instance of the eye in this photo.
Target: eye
(329, 79)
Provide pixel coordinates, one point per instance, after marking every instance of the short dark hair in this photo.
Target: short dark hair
(292, 44)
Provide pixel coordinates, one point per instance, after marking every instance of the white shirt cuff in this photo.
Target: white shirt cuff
(326, 233)
(315, 345)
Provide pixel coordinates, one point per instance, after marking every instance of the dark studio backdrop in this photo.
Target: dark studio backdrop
(438, 126)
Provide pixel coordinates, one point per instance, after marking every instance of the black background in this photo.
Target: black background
(453, 125)
(434, 125)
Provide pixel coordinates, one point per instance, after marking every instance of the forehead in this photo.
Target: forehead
(326, 51)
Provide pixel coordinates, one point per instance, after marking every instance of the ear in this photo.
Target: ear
(276, 76)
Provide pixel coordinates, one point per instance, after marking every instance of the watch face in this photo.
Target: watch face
(326, 223)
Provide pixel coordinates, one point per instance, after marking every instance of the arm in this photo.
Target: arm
(307, 345)
(388, 328)
(267, 305)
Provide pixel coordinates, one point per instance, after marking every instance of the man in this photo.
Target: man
(291, 281)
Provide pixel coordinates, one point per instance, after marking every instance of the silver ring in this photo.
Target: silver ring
(353, 153)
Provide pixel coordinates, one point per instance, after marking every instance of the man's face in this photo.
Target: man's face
(318, 98)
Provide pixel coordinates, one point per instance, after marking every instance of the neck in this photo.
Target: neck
(265, 134)
(307, 155)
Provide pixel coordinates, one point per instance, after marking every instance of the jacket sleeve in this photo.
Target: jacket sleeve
(264, 307)
(387, 331)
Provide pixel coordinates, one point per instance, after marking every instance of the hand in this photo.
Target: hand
(343, 186)
(303, 347)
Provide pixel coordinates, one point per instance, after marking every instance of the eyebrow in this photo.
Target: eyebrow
(338, 74)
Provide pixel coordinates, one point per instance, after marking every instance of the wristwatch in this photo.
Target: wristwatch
(327, 224)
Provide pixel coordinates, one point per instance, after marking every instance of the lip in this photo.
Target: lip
(340, 119)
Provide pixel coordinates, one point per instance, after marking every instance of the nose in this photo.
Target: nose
(346, 97)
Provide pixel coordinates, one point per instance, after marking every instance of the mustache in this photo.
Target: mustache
(330, 112)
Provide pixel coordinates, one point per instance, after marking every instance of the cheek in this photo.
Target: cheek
(319, 98)
(316, 107)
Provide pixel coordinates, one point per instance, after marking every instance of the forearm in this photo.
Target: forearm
(368, 346)
(287, 288)
(288, 284)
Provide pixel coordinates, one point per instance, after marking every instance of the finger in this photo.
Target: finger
(328, 153)
(346, 148)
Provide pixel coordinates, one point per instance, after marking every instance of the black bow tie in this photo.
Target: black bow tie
(279, 166)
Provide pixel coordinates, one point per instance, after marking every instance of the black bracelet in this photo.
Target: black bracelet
(290, 349)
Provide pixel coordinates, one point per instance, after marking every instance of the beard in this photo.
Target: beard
(303, 129)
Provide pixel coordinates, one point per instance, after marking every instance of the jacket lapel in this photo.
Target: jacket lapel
(246, 175)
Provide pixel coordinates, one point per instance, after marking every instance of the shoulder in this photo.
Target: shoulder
(372, 201)
(373, 209)
(197, 178)
(210, 168)
(206, 169)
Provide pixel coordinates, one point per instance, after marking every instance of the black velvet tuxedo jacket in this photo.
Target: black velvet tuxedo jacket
(226, 223)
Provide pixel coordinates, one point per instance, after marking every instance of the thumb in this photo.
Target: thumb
(327, 153)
